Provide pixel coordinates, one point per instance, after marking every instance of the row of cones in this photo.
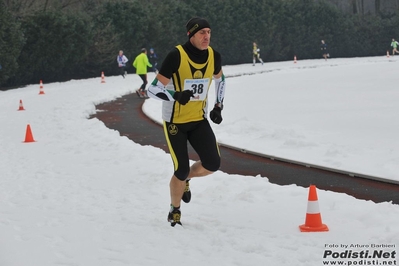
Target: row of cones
(28, 134)
(42, 87)
(41, 91)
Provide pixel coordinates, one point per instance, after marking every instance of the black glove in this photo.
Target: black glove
(183, 97)
(216, 115)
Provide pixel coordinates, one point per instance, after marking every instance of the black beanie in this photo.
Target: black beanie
(196, 24)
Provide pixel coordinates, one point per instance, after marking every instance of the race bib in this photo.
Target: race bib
(198, 86)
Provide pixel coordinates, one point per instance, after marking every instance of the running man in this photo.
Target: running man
(141, 63)
(394, 45)
(324, 50)
(256, 54)
(153, 60)
(122, 60)
(182, 84)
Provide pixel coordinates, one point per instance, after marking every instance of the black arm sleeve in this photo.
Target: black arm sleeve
(171, 64)
(218, 62)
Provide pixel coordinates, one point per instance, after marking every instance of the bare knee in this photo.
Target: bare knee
(197, 170)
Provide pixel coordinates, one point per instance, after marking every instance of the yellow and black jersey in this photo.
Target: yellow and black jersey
(255, 50)
(189, 68)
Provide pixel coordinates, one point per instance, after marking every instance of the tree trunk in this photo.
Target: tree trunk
(377, 6)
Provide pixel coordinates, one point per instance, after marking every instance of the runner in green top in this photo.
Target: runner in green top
(394, 45)
(141, 63)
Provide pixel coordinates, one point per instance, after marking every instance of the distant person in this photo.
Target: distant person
(141, 63)
(256, 54)
(324, 50)
(122, 60)
(153, 60)
(394, 45)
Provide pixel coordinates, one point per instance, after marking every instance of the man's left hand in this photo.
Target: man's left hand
(216, 115)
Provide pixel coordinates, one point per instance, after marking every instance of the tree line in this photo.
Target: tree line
(55, 40)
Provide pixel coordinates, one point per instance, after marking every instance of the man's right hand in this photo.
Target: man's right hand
(183, 97)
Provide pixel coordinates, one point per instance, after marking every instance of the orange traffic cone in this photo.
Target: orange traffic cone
(313, 221)
(295, 59)
(388, 54)
(21, 106)
(28, 135)
(102, 77)
(41, 87)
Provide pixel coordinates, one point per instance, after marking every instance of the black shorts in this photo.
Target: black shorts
(201, 137)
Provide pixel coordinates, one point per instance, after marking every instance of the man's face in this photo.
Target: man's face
(201, 39)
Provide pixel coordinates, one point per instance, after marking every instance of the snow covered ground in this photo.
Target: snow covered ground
(340, 114)
(83, 195)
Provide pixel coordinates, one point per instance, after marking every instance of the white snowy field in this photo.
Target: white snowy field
(83, 195)
(341, 114)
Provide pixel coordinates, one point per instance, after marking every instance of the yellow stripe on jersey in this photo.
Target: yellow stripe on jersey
(193, 110)
(172, 152)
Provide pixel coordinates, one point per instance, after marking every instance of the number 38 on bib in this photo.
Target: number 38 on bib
(198, 86)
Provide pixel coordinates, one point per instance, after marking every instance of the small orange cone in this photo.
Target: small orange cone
(388, 54)
(313, 221)
(41, 87)
(21, 106)
(102, 77)
(28, 135)
(295, 59)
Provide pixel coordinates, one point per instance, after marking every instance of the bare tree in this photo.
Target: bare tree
(377, 6)
(358, 6)
(103, 47)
